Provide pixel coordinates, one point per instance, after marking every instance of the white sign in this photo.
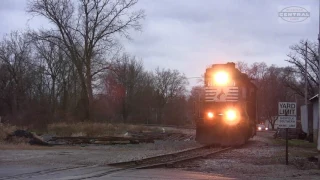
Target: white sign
(287, 122)
(287, 109)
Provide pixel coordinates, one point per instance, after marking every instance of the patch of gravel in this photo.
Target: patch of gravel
(259, 159)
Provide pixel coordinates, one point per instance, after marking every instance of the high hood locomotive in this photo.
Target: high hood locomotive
(227, 113)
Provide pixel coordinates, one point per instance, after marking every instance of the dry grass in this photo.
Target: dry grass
(75, 129)
(27, 146)
(14, 146)
(96, 129)
(5, 130)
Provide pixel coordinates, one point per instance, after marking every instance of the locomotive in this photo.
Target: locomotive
(227, 112)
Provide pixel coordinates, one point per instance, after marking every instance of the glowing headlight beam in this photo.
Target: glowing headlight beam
(210, 115)
(221, 78)
(231, 115)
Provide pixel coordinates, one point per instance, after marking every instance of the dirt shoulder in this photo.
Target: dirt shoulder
(262, 158)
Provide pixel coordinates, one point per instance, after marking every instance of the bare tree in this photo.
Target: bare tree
(295, 74)
(86, 32)
(15, 58)
(243, 66)
(168, 85)
(271, 88)
(126, 76)
(176, 111)
(5, 92)
(53, 61)
(195, 100)
(144, 98)
(271, 92)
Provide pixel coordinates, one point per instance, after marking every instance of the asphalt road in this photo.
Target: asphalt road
(96, 173)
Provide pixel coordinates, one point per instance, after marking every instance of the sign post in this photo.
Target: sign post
(286, 146)
(287, 119)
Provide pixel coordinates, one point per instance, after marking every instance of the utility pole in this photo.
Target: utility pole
(199, 104)
(309, 120)
(318, 143)
(306, 77)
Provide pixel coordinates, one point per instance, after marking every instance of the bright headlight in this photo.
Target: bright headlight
(259, 128)
(231, 117)
(221, 78)
(210, 115)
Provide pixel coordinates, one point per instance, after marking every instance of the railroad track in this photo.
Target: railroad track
(171, 158)
(165, 160)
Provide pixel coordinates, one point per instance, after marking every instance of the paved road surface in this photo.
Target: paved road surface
(96, 173)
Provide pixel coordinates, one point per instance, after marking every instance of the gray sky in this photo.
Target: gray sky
(189, 35)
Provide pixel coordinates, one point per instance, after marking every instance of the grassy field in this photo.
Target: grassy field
(295, 143)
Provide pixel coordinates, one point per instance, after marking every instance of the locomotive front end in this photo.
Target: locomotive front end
(224, 116)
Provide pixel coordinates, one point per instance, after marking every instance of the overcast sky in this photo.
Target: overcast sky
(189, 35)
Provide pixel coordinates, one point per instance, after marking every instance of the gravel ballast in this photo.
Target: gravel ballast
(259, 159)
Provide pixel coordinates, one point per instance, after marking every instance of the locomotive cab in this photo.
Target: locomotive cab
(228, 111)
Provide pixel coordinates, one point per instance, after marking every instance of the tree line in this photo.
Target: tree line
(287, 83)
(76, 70)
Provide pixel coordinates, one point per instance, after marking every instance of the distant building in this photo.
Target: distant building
(310, 118)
